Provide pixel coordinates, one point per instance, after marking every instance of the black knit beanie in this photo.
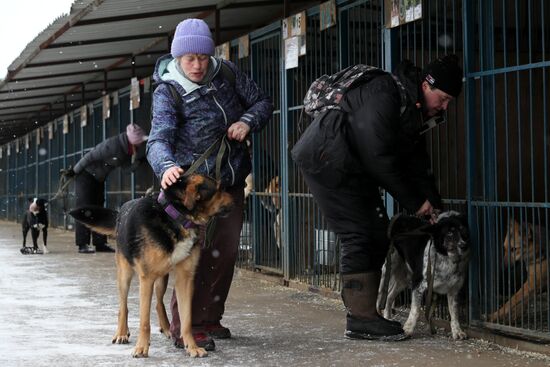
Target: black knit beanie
(446, 74)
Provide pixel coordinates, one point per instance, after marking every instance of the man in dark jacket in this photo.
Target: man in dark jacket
(201, 100)
(92, 170)
(387, 151)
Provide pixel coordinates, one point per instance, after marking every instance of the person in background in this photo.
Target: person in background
(90, 173)
(383, 120)
(214, 102)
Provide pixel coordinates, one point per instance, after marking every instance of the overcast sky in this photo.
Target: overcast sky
(21, 21)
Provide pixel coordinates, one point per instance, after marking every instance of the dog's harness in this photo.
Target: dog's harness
(174, 213)
(419, 231)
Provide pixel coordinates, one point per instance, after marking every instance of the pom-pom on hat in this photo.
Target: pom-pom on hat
(135, 134)
(445, 74)
(192, 36)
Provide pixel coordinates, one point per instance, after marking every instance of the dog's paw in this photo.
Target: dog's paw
(45, 250)
(408, 328)
(459, 335)
(140, 352)
(166, 332)
(121, 338)
(195, 352)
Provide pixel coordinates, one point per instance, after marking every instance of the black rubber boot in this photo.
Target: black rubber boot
(359, 293)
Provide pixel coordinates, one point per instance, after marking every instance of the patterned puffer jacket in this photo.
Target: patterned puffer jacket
(180, 134)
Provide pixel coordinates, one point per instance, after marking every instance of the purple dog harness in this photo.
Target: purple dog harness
(174, 213)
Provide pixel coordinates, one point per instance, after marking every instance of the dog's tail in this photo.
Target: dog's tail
(97, 218)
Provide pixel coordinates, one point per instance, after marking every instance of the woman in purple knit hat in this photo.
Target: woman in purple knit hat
(199, 100)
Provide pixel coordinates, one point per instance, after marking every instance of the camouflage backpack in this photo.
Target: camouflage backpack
(323, 145)
(326, 92)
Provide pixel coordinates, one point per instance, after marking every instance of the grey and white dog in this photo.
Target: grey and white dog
(445, 247)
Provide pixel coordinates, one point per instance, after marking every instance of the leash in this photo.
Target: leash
(63, 185)
(223, 145)
(63, 190)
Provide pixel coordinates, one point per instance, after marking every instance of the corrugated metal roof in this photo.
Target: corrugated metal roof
(100, 36)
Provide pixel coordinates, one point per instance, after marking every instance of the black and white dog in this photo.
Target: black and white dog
(444, 249)
(35, 220)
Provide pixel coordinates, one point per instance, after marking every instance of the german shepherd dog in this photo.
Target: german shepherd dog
(155, 236)
(445, 250)
(523, 243)
(35, 220)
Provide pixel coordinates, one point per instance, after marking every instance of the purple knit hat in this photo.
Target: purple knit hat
(135, 134)
(192, 37)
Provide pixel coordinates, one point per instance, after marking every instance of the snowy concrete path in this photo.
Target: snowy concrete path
(60, 310)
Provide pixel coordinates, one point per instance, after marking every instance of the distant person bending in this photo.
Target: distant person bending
(91, 172)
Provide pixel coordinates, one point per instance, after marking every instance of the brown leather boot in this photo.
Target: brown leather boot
(359, 293)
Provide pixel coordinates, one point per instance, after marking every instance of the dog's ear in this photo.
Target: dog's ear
(191, 196)
(30, 200)
(513, 224)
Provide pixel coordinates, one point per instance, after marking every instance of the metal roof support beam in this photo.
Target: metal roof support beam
(18, 130)
(79, 73)
(28, 113)
(34, 97)
(32, 105)
(105, 40)
(59, 86)
(11, 123)
(232, 4)
(154, 14)
(74, 61)
(87, 59)
(45, 106)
